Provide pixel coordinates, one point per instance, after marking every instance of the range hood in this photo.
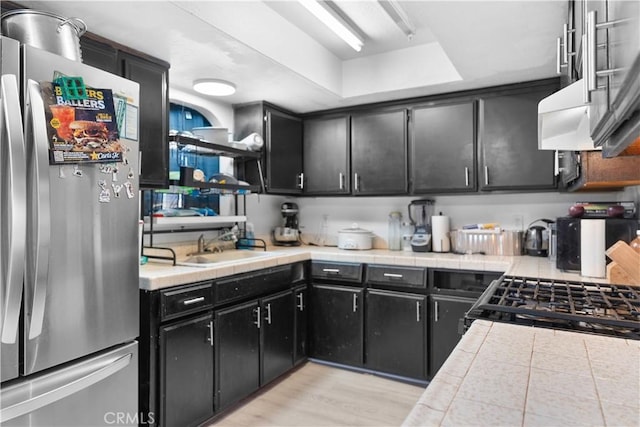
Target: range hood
(563, 120)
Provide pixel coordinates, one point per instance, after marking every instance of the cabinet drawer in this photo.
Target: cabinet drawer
(253, 285)
(343, 271)
(412, 277)
(185, 300)
(464, 283)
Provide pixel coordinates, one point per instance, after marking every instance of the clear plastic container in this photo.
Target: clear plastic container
(395, 231)
(635, 243)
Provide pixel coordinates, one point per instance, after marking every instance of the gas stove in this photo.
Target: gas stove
(597, 308)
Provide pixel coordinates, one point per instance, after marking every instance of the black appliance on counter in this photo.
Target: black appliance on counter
(596, 308)
(568, 238)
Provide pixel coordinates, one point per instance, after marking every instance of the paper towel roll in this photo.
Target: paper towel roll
(440, 233)
(593, 262)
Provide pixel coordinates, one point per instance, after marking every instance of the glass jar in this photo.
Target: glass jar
(395, 232)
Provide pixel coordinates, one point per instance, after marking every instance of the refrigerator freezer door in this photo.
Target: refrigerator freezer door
(12, 213)
(81, 283)
(99, 391)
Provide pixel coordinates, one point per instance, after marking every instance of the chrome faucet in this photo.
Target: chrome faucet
(203, 246)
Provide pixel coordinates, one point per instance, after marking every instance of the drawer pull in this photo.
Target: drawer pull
(331, 270)
(193, 301)
(393, 275)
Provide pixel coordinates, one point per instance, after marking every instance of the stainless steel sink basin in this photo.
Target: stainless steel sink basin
(209, 260)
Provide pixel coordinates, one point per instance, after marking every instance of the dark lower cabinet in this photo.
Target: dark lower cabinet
(445, 321)
(301, 310)
(396, 333)
(237, 352)
(254, 345)
(277, 336)
(337, 324)
(187, 371)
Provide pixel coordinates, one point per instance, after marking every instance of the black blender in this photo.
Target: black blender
(421, 210)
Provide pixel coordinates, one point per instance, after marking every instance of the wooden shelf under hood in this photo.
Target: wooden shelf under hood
(600, 174)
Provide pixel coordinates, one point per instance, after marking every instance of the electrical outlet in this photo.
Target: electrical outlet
(518, 221)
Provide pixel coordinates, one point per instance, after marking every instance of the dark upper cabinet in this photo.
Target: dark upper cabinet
(443, 148)
(396, 333)
(153, 78)
(282, 154)
(326, 155)
(99, 55)
(153, 131)
(508, 134)
(379, 152)
(337, 324)
(187, 371)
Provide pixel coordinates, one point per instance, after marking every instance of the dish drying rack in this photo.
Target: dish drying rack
(187, 180)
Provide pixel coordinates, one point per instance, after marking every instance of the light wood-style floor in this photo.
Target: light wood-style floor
(319, 395)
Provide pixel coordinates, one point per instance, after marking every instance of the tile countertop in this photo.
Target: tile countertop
(159, 274)
(512, 375)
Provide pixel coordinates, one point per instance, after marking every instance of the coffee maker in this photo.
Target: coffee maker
(289, 233)
(420, 212)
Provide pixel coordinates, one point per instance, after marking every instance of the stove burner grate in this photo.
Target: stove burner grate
(576, 305)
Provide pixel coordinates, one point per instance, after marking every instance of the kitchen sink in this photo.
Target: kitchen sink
(212, 259)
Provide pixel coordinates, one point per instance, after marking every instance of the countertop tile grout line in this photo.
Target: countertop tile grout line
(595, 384)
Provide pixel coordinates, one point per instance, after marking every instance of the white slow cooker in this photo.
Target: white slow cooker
(355, 238)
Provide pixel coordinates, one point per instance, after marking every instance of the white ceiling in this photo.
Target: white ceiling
(276, 51)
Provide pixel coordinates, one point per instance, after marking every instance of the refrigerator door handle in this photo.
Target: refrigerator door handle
(39, 232)
(13, 198)
(54, 392)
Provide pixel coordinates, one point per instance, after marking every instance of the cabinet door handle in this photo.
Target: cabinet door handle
(331, 270)
(486, 175)
(210, 339)
(418, 311)
(435, 311)
(466, 176)
(193, 301)
(341, 178)
(300, 302)
(268, 316)
(393, 275)
(585, 72)
(301, 180)
(355, 302)
(558, 54)
(256, 311)
(592, 47)
(355, 182)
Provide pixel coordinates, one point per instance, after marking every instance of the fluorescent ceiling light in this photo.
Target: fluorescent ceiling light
(330, 16)
(399, 16)
(214, 87)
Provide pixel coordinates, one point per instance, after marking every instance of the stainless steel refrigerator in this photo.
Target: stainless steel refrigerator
(68, 258)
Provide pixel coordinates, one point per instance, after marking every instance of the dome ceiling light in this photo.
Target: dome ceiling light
(214, 87)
